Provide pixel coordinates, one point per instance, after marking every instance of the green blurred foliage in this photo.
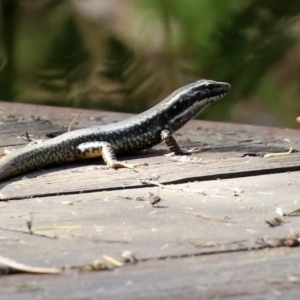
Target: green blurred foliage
(54, 55)
(236, 41)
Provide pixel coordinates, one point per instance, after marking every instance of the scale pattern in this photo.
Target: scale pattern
(134, 134)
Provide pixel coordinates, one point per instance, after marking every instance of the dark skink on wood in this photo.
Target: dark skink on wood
(136, 133)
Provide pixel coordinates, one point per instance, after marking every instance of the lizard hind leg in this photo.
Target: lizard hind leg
(104, 150)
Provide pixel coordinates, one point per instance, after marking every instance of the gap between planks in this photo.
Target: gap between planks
(229, 175)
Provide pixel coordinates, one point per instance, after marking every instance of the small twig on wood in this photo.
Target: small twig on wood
(281, 153)
(138, 198)
(29, 223)
(294, 212)
(109, 263)
(186, 159)
(288, 279)
(206, 217)
(19, 267)
(29, 232)
(213, 244)
(291, 240)
(154, 199)
(73, 121)
(98, 239)
(113, 261)
(143, 181)
(68, 228)
(26, 137)
(237, 191)
(274, 222)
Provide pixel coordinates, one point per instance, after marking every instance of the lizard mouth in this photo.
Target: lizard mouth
(211, 99)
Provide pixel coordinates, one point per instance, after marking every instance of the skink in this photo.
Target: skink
(134, 134)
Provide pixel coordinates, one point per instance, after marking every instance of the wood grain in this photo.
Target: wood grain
(197, 244)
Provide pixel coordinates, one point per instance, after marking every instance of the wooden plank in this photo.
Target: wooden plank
(94, 176)
(229, 142)
(171, 241)
(248, 275)
(114, 221)
(39, 120)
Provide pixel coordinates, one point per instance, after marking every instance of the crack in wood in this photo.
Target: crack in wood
(229, 175)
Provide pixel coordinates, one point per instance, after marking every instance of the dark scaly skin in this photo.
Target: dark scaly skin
(134, 134)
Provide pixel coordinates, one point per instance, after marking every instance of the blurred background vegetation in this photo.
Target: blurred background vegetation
(126, 55)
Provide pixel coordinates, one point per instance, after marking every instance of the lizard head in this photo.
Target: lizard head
(188, 101)
(207, 91)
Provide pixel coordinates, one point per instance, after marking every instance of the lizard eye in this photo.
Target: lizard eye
(210, 87)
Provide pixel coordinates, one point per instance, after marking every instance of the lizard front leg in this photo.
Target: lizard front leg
(104, 149)
(173, 146)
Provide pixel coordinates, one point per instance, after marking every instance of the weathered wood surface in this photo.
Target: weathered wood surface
(229, 141)
(113, 214)
(267, 274)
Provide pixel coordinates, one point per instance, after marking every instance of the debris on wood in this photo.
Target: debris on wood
(96, 265)
(30, 138)
(16, 267)
(154, 176)
(10, 117)
(125, 197)
(73, 121)
(26, 137)
(292, 240)
(67, 202)
(214, 244)
(206, 217)
(294, 212)
(211, 244)
(29, 232)
(42, 118)
(275, 221)
(100, 239)
(163, 186)
(237, 191)
(113, 261)
(29, 224)
(186, 159)
(68, 228)
(129, 257)
(281, 153)
(288, 279)
(279, 211)
(154, 199)
(138, 198)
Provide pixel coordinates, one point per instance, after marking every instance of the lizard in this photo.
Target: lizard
(137, 133)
